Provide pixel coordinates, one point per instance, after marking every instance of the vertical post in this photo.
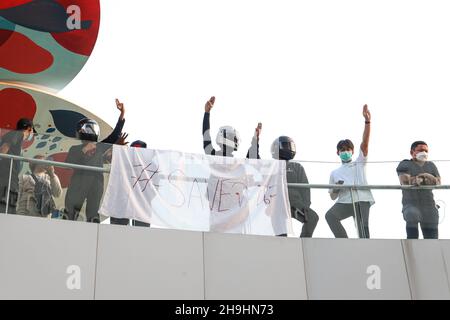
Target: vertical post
(358, 222)
(8, 190)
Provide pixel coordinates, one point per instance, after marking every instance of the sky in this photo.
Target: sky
(302, 68)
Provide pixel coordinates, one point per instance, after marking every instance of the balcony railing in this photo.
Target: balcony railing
(386, 218)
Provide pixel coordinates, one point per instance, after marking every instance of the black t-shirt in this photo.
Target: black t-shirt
(417, 197)
(14, 139)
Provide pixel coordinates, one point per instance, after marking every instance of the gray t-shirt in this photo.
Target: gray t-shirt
(14, 140)
(417, 197)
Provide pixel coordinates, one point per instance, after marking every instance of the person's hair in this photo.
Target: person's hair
(345, 143)
(33, 165)
(24, 123)
(417, 143)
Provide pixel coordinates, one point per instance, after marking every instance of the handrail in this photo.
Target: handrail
(293, 185)
(54, 163)
(366, 186)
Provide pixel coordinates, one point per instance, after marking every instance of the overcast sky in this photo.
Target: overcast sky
(302, 68)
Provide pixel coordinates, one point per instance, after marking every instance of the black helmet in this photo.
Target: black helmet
(88, 130)
(283, 148)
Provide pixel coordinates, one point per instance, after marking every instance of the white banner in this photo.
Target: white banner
(177, 190)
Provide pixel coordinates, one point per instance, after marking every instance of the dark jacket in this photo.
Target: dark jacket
(76, 156)
(300, 198)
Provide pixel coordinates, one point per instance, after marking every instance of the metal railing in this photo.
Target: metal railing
(292, 185)
(353, 188)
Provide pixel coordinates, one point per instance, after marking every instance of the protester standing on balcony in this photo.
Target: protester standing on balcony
(11, 143)
(227, 139)
(283, 148)
(419, 205)
(88, 185)
(351, 203)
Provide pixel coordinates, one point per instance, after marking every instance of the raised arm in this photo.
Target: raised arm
(55, 184)
(253, 152)
(366, 134)
(207, 144)
(115, 134)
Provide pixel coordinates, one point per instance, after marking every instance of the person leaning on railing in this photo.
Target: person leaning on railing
(283, 148)
(419, 205)
(11, 143)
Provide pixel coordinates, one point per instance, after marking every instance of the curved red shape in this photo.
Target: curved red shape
(5, 35)
(6, 4)
(15, 104)
(81, 41)
(27, 144)
(21, 55)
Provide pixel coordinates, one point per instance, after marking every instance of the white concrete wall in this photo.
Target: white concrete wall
(342, 268)
(36, 254)
(427, 270)
(117, 262)
(140, 263)
(253, 267)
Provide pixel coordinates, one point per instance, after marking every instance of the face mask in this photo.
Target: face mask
(422, 156)
(345, 156)
(30, 137)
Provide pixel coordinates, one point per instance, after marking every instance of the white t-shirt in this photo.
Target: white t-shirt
(352, 173)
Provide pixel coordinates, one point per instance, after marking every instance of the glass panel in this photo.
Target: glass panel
(424, 209)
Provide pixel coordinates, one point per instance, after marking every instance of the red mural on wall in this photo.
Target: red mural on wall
(34, 59)
(81, 41)
(46, 42)
(15, 104)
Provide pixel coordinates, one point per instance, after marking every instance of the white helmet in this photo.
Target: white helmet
(229, 137)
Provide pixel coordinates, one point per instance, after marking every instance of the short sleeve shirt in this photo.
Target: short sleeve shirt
(352, 173)
(412, 168)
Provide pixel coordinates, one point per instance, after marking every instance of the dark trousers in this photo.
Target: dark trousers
(429, 230)
(426, 215)
(341, 211)
(13, 196)
(75, 197)
(310, 223)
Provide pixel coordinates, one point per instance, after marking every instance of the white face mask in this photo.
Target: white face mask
(30, 137)
(422, 156)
